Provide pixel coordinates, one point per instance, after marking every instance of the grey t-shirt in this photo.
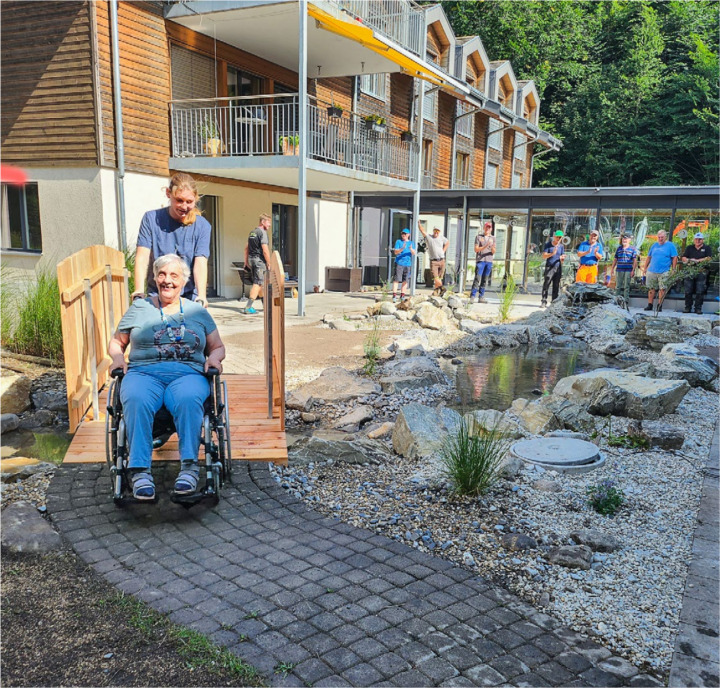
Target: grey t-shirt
(435, 246)
(486, 245)
(256, 239)
(150, 341)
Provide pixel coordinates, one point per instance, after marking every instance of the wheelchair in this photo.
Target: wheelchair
(215, 439)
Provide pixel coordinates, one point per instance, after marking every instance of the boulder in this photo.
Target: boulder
(471, 326)
(699, 371)
(299, 400)
(387, 308)
(572, 556)
(336, 384)
(14, 393)
(20, 467)
(534, 417)
(431, 317)
(659, 435)
(611, 392)
(518, 541)
(608, 320)
(437, 301)
(487, 419)
(309, 417)
(25, 530)
(507, 336)
(421, 430)
(671, 351)
(52, 400)
(695, 326)
(538, 334)
(570, 416)
(393, 384)
(421, 367)
(595, 539)
(9, 422)
(381, 431)
(455, 301)
(411, 343)
(609, 346)
(655, 333)
(402, 316)
(356, 418)
(354, 450)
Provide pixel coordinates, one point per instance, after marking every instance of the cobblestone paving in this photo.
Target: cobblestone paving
(310, 601)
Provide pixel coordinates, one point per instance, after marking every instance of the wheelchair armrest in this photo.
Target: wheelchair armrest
(117, 373)
(212, 372)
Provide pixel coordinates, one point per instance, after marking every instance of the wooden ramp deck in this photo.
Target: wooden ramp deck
(253, 436)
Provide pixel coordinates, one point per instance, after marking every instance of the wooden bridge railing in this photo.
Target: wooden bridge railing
(93, 297)
(274, 305)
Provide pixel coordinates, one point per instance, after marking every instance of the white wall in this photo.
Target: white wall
(326, 239)
(143, 192)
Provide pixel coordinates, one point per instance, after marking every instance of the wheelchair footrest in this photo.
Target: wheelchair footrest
(129, 499)
(193, 498)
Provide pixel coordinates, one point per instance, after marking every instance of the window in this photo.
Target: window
(491, 176)
(495, 135)
(464, 124)
(427, 163)
(429, 102)
(517, 179)
(21, 218)
(373, 85)
(462, 170)
(520, 150)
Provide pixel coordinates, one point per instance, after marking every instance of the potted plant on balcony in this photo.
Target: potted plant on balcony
(407, 136)
(334, 110)
(290, 144)
(210, 132)
(375, 123)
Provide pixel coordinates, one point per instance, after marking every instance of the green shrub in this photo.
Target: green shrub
(507, 299)
(473, 461)
(30, 311)
(605, 498)
(130, 266)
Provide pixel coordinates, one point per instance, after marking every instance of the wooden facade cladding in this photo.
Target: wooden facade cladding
(507, 159)
(480, 143)
(48, 111)
(338, 90)
(443, 140)
(145, 84)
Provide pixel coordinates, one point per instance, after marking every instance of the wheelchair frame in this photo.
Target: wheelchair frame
(218, 458)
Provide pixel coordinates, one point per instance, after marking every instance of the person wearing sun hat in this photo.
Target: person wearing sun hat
(695, 286)
(554, 255)
(590, 252)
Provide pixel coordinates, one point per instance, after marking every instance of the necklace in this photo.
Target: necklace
(176, 333)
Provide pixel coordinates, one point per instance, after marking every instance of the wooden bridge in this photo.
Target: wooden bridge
(94, 295)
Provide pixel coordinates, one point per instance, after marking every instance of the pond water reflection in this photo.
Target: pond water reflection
(46, 446)
(492, 379)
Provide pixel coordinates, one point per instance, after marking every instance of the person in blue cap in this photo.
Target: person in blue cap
(404, 251)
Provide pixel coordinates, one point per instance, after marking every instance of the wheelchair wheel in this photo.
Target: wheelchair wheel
(223, 430)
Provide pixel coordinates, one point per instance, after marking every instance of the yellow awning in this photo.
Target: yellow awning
(365, 36)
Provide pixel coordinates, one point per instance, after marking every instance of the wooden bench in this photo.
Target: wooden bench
(239, 265)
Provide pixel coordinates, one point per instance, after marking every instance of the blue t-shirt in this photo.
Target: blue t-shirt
(150, 341)
(590, 258)
(625, 258)
(559, 250)
(404, 258)
(661, 257)
(163, 235)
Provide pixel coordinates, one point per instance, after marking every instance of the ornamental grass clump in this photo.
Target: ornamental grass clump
(473, 462)
(605, 498)
(507, 299)
(371, 347)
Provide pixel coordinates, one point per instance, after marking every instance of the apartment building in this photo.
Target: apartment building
(290, 108)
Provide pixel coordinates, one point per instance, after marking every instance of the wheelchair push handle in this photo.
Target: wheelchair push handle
(212, 372)
(118, 373)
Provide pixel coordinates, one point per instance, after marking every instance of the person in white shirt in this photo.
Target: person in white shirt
(437, 246)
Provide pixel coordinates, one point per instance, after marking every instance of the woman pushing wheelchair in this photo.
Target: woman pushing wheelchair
(174, 343)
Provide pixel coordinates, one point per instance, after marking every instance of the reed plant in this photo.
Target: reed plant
(371, 347)
(472, 460)
(507, 299)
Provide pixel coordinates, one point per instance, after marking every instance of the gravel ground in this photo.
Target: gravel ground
(630, 599)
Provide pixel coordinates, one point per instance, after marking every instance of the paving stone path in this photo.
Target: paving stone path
(287, 588)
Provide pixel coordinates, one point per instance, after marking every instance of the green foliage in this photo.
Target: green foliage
(605, 498)
(208, 129)
(293, 140)
(629, 442)
(375, 119)
(130, 266)
(283, 668)
(30, 312)
(631, 88)
(507, 299)
(371, 347)
(473, 461)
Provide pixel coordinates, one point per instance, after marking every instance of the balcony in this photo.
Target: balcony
(255, 138)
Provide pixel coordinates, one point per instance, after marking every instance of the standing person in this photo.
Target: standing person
(437, 246)
(179, 229)
(484, 253)
(693, 255)
(257, 258)
(662, 257)
(404, 251)
(624, 265)
(554, 255)
(590, 253)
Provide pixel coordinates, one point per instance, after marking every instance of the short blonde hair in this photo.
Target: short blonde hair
(265, 216)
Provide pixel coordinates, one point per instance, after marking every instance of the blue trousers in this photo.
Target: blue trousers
(145, 389)
(482, 274)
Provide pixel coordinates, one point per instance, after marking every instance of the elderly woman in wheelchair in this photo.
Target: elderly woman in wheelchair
(175, 349)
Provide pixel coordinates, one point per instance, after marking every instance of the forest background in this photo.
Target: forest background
(630, 87)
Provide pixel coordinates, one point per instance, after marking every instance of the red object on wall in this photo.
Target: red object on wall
(12, 175)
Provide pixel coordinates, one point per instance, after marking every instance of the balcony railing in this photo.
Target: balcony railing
(400, 20)
(267, 125)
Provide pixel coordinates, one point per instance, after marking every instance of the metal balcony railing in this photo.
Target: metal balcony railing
(399, 20)
(267, 125)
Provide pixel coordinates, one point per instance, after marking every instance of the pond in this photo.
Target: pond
(493, 379)
(46, 446)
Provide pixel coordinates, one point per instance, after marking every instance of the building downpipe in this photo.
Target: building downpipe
(119, 137)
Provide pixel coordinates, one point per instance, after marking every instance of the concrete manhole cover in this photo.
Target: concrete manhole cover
(559, 454)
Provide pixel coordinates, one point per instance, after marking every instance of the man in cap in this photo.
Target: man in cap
(554, 255)
(437, 246)
(404, 251)
(484, 252)
(662, 257)
(590, 252)
(695, 286)
(624, 266)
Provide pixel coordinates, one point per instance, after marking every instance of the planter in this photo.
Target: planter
(289, 148)
(374, 126)
(343, 279)
(213, 147)
(334, 111)
(407, 137)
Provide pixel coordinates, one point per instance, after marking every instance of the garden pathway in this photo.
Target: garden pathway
(309, 600)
